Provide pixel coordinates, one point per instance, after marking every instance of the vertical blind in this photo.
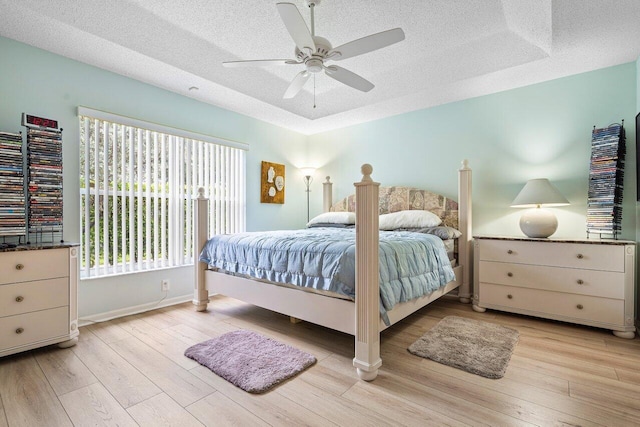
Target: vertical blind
(137, 182)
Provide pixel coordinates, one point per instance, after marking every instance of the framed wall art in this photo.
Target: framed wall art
(272, 183)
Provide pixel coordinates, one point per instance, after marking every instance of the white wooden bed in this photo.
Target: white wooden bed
(362, 318)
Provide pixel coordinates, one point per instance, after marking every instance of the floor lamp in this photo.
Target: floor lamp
(307, 174)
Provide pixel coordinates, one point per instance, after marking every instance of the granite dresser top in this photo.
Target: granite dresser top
(558, 240)
(38, 246)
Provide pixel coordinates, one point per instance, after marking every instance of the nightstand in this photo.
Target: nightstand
(591, 282)
(38, 297)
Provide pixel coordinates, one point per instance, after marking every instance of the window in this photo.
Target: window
(137, 181)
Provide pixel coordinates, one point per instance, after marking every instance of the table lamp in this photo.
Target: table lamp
(538, 193)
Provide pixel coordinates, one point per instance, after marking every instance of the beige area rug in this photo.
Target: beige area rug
(249, 360)
(481, 348)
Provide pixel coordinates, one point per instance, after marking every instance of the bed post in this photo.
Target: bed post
(367, 358)
(200, 233)
(465, 242)
(327, 195)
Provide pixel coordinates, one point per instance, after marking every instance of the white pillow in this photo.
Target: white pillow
(346, 218)
(409, 219)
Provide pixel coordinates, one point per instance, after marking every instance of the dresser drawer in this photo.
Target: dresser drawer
(608, 284)
(26, 266)
(572, 255)
(552, 304)
(33, 327)
(33, 296)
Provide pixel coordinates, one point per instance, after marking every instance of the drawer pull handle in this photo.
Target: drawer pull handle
(580, 282)
(579, 306)
(580, 256)
(510, 296)
(19, 266)
(19, 298)
(19, 330)
(509, 251)
(510, 274)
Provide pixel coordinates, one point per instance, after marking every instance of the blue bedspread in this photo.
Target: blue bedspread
(411, 264)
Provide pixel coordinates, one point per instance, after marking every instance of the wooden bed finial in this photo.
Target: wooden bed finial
(200, 192)
(366, 170)
(465, 165)
(328, 178)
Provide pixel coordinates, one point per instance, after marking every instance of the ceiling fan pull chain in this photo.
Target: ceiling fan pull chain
(314, 91)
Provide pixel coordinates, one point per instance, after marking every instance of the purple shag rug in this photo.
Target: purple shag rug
(249, 360)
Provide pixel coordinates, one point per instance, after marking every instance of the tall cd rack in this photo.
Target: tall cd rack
(44, 189)
(606, 175)
(12, 192)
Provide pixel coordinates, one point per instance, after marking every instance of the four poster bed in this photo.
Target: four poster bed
(365, 318)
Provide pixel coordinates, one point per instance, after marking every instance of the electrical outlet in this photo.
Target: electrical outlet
(165, 285)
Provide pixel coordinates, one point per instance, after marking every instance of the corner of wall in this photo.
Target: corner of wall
(637, 204)
(638, 84)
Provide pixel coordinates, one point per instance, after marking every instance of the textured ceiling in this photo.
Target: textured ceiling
(454, 49)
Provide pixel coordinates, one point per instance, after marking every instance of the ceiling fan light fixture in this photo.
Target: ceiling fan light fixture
(314, 65)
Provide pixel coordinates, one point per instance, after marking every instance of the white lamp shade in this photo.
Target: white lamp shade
(539, 192)
(307, 171)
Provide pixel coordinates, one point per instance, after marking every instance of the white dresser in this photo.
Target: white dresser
(38, 297)
(591, 282)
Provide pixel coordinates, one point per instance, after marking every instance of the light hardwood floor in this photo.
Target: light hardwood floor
(131, 371)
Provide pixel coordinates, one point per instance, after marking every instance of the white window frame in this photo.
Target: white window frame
(163, 155)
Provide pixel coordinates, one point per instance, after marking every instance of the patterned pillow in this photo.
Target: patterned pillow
(443, 232)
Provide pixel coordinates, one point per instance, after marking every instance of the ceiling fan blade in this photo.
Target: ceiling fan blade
(349, 78)
(259, 63)
(296, 85)
(296, 26)
(368, 44)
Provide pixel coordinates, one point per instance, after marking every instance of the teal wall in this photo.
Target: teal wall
(509, 137)
(48, 85)
(543, 130)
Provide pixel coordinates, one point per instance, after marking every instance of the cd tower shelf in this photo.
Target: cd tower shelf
(44, 190)
(606, 176)
(12, 191)
(31, 186)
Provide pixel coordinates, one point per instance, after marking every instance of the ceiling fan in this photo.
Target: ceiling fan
(313, 51)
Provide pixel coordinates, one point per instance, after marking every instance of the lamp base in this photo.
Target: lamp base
(538, 222)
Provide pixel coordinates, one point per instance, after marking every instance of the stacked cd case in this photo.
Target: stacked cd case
(12, 197)
(44, 159)
(606, 175)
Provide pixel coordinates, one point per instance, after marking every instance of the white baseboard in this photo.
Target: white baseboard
(127, 311)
